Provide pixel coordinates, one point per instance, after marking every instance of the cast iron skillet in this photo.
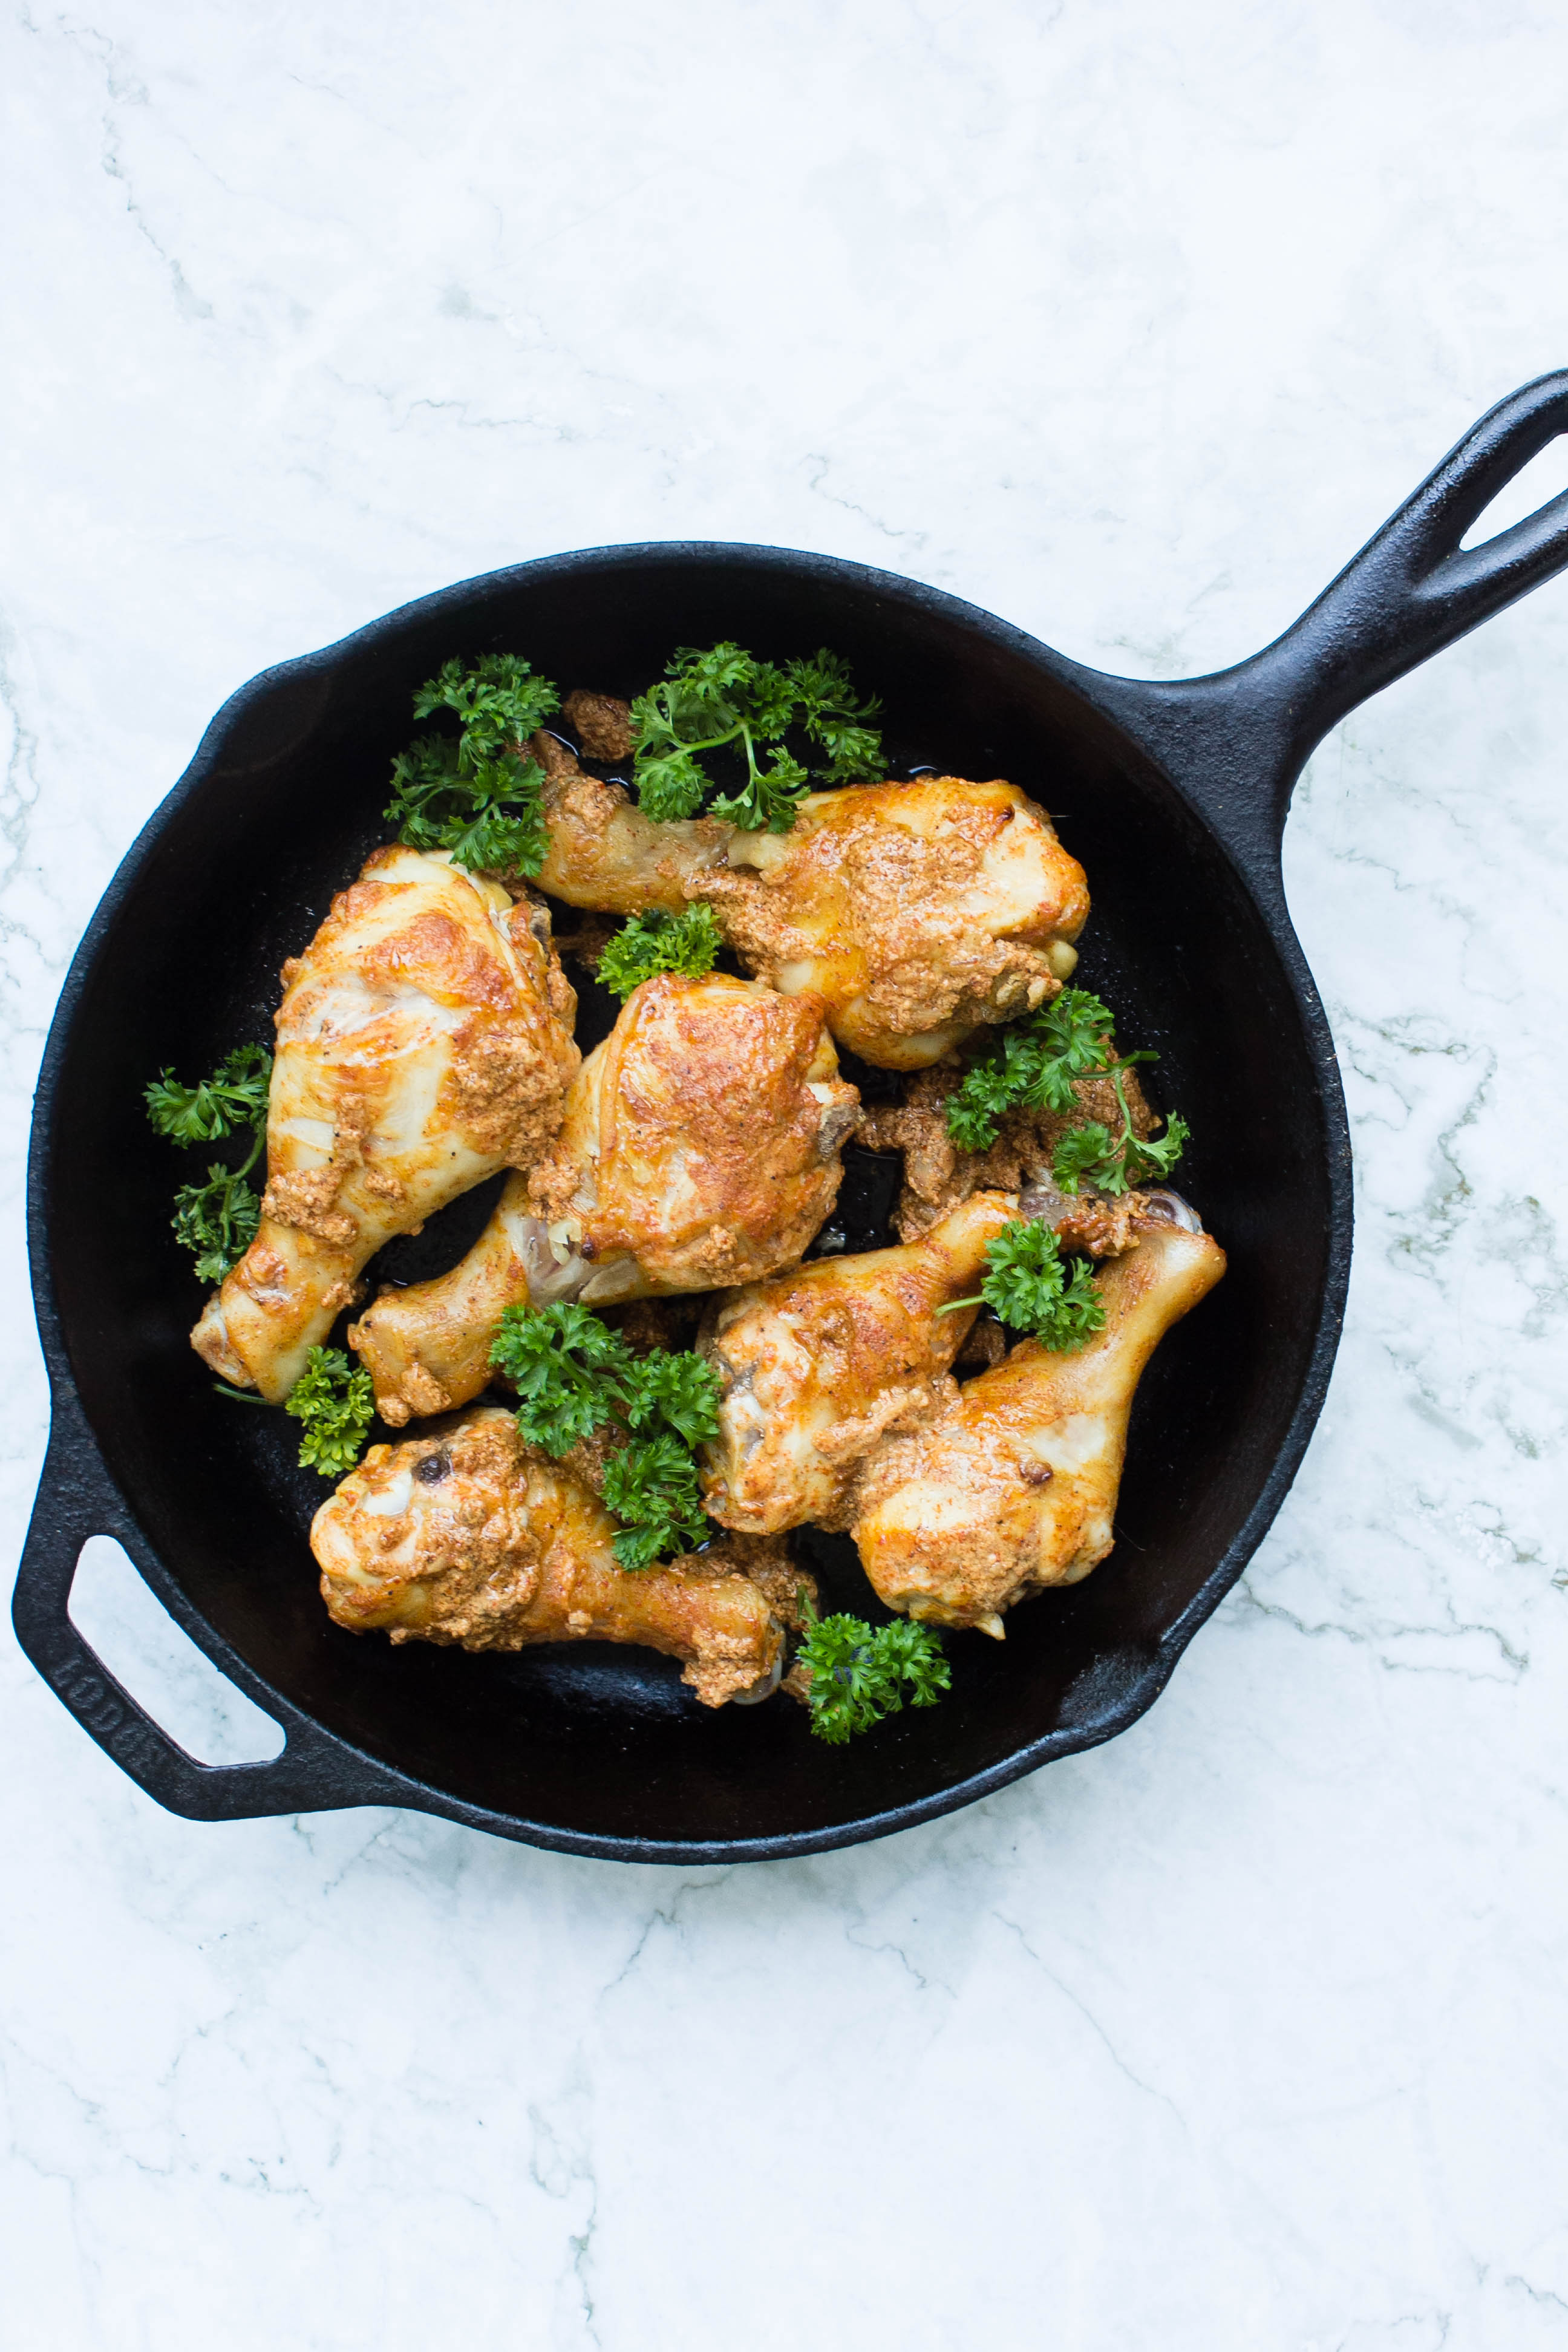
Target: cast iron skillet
(1173, 795)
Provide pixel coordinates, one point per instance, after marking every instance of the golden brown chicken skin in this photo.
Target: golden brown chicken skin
(423, 1041)
(939, 1175)
(700, 1149)
(1013, 1485)
(427, 1346)
(918, 912)
(818, 1364)
(469, 1536)
(603, 854)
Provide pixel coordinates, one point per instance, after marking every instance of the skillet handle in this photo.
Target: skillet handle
(77, 1498)
(1413, 589)
(1236, 740)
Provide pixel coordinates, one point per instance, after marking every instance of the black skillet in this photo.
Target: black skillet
(1173, 795)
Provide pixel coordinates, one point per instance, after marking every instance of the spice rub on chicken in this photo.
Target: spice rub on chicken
(603, 854)
(699, 1148)
(424, 1042)
(468, 1535)
(816, 1365)
(1012, 1484)
(918, 912)
(940, 1176)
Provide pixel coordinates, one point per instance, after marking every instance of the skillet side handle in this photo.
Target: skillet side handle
(1236, 740)
(77, 1498)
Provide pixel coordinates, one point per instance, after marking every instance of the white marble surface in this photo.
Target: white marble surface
(1247, 2033)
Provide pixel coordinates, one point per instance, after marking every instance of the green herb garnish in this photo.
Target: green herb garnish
(1091, 1154)
(651, 1487)
(1033, 1289)
(857, 1670)
(655, 942)
(1033, 1065)
(724, 697)
(216, 1221)
(566, 1366)
(336, 1403)
(478, 793)
(575, 1375)
(234, 1097)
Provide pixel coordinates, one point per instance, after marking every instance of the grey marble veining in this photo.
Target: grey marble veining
(1245, 2034)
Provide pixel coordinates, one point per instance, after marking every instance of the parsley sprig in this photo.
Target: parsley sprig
(1092, 1155)
(336, 1403)
(1034, 1288)
(656, 942)
(573, 1375)
(724, 697)
(1034, 1066)
(216, 1221)
(858, 1671)
(477, 793)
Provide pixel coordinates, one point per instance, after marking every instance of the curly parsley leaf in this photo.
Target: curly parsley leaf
(216, 1221)
(336, 1403)
(770, 798)
(654, 943)
(683, 1390)
(234, 1097)
(476, 795)
(1032, 1066)
(1091, 1154)
(1034, 1288)
(574, 1376)
(831, 715)
(498, 702)
(858, 1672)
(1153, 1162)
(566, 1366)
(722, 698)
(651, 1487)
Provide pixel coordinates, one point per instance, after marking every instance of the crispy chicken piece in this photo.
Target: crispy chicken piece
(468, 1535)
(605, 855)
(601, 722)
(700, 1149)
(818, 1364)
(939, 1176)
(423, 1041)
(427, 1346)
(788, 1588)
(1013, 1485)
(917, 911)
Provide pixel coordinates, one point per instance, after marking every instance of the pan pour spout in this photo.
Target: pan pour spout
(1014, 1486)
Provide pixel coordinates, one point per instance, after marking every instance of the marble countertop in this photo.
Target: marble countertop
(1247, 2033)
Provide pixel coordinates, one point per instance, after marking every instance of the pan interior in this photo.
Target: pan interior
(594, 1742)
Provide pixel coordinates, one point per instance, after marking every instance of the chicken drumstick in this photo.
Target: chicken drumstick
(423, 1041)
(469, 1536)
(700, 1149)
(1013, 1485)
